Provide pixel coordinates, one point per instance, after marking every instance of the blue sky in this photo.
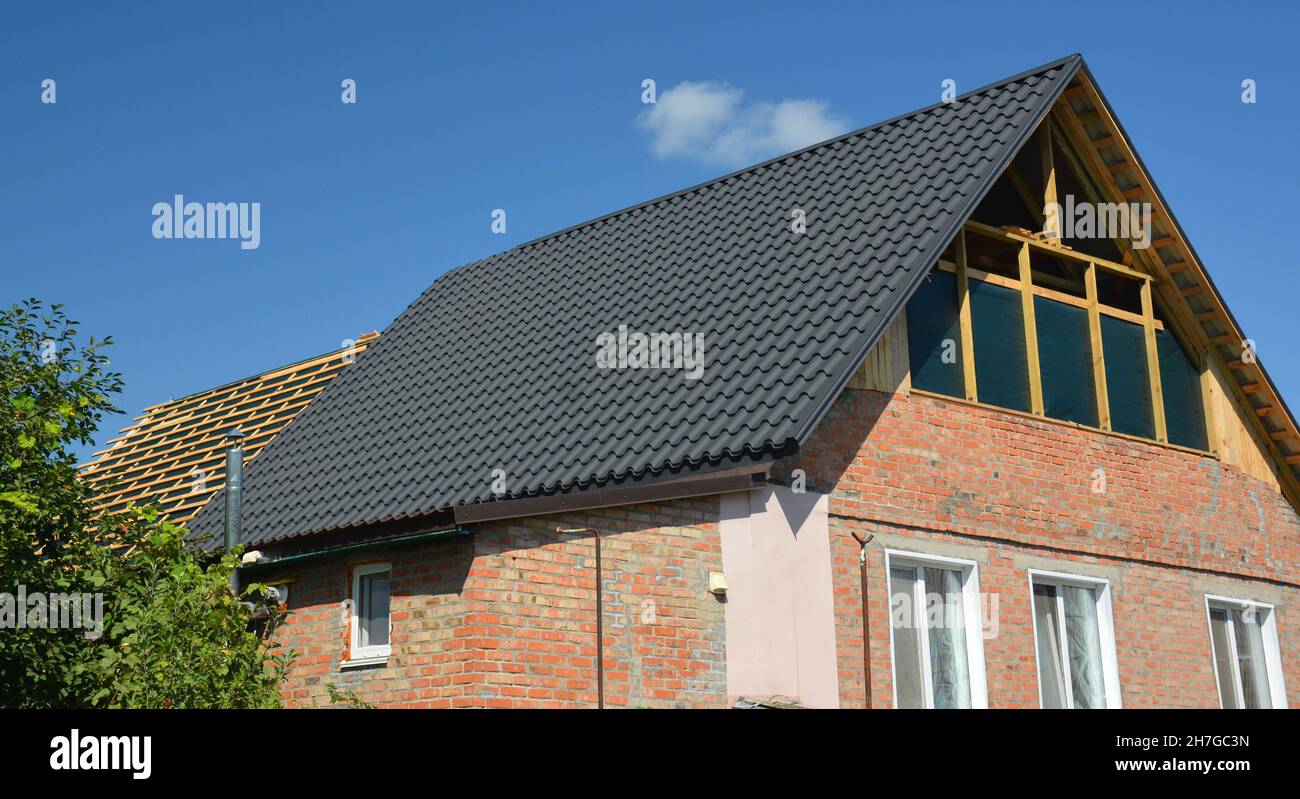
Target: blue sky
(533, 108)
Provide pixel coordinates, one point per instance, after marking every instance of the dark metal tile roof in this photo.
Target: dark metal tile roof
(494, 365)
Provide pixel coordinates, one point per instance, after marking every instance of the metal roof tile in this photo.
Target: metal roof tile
(493, 366)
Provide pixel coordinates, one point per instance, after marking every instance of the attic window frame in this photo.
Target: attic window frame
(1028, 290)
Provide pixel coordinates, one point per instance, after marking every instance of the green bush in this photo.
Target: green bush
(173, 633)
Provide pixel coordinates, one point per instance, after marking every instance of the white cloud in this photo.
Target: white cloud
(712, 123)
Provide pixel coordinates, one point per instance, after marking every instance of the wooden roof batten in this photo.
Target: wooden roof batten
(173, 454)
(1090, 132)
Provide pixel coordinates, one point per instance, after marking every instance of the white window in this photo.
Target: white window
(1074, 638)
(1247, 661)
(370, 617)
(935, 635)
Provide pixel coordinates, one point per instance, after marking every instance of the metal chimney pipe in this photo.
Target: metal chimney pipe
(234, 484)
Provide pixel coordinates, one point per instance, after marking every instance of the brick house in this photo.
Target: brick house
(631, 463)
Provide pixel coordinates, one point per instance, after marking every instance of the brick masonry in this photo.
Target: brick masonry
(1015, 493)
(505, 618)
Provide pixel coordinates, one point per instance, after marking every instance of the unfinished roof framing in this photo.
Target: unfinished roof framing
(173, 454)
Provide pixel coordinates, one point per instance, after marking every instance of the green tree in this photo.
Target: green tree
(173, 634)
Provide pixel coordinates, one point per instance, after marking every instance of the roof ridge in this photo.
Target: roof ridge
(362, 338)
(782, 157)
(1075, 62)
(750, 168)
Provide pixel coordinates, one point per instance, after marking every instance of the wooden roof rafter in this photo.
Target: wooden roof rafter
(1090, 132)
(156, 458)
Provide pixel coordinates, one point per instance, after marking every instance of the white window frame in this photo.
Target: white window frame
(969, 569)
(367, 655)
(1105, 631)
(1272, 651)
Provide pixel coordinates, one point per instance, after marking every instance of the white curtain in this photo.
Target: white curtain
(1051, 671)
(949, 665)
(1250, 656)
(1084, 642)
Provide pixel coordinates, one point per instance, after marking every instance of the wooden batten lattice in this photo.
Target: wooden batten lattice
(173, 454)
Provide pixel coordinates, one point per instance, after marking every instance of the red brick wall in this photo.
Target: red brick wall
(1015, 493)
(506, 618)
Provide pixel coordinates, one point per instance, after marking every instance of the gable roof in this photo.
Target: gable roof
(493, 367)
(173, 454)
(1089, 121)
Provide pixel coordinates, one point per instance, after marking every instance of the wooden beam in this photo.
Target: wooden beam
(1153, 365)
(1087, 148)
(1031, 331)
(1049, 179)
(1041, 291)
(1060, 252)
(1098, 354)
(963, 318)
(1208, 387)
(1026, 196)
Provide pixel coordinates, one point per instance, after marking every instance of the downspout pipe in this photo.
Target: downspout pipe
(234, 491)
(866, 642)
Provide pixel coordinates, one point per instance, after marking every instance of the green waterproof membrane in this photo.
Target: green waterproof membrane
(1064, 356)
(1065, 362)
(1180, 382)
(998, 327)
(932, 319)
(1127, 385)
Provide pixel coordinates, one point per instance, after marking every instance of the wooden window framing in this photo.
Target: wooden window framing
(963, 316)
(1098, 353)
(1153, 364)
(1031, 331)
(1025, 285)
